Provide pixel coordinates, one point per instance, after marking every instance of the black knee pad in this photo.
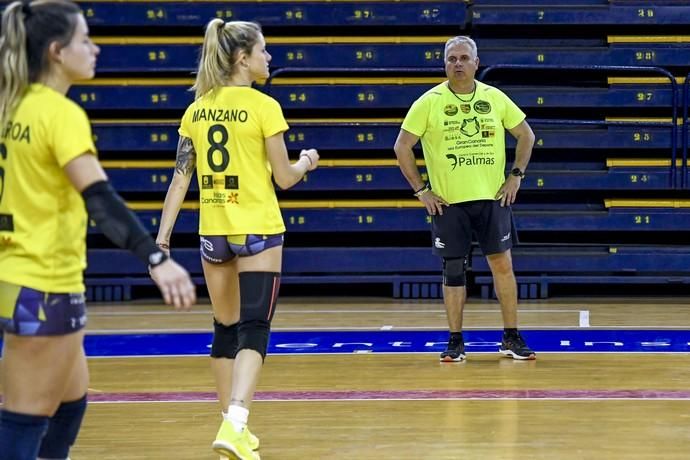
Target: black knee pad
(225, 340)
(258, 296)
(253, 335)
(454, 271)
(63, 429)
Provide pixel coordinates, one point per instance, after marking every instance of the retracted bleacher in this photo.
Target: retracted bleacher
(603, 192)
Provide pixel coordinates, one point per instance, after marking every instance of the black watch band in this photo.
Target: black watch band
(156, 258)
(517, 172)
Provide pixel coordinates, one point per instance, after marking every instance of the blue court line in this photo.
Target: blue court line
(315, 342)
(400, 341)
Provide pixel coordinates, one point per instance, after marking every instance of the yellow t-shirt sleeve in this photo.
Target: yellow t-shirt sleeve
(71, 134)
(415, 121)
(272, 119)
(183, 130)
(513, 115)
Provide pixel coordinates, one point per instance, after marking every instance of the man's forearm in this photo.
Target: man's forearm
(408, 166)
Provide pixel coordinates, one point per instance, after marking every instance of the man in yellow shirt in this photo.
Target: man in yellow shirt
(461, 123)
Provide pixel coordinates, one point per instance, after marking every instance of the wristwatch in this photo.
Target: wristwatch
(156, 258)
(517, 172)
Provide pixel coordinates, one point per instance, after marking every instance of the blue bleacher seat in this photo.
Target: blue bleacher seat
(570, 189)
(412, 217)
(371, 134)
(162, 94)
(276, 13)
(596, 12)
(344, 175)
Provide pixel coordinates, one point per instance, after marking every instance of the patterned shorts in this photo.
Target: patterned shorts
(221, 249)
(28, 312)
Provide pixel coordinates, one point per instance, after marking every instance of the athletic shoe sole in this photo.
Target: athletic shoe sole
(511, 354)
(448, 359)
(226, 450)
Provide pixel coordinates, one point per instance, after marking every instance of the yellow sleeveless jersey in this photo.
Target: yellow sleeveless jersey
(463, 139)
(228, 128)
(42, 217)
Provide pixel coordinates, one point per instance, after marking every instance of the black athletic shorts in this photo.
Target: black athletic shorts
(491, 225)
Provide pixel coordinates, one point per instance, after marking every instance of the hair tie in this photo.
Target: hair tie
(26, 9)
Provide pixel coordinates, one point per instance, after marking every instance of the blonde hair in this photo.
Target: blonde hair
(461, 40)
(28, 29)
(223, 42)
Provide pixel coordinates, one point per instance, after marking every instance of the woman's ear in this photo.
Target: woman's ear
(242, 59)
(55, 52)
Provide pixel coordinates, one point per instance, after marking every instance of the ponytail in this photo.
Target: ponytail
(222, 44)
(14, 66)
(28, 29)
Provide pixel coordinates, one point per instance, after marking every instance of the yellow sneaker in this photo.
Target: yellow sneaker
(253, 440)
(234, 445)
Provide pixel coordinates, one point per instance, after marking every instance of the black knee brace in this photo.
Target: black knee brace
(258, 295)
(63, 429)
(454, 271)
(225, 340)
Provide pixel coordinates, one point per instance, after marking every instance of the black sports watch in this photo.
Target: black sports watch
(517, 172)
(156, 258)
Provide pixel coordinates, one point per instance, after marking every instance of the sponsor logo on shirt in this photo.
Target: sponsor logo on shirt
(450, 110)
(482, 107)
(470, 126)
(232, 182)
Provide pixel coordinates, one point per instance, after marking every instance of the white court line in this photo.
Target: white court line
(299, 312)
(584, 318)
(435, 327)
(169, 401)
(435, 353)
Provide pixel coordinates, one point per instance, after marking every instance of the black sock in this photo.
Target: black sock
(20, 434)
(510, 333)
(457, 336)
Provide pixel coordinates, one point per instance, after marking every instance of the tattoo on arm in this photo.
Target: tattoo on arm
(186, 157)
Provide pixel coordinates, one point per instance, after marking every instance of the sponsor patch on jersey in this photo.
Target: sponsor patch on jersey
(450, 110)
(207, 182)
(232, 182)
(482, 107)
(6, 223)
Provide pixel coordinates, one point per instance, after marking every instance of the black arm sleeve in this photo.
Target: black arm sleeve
(119, 224)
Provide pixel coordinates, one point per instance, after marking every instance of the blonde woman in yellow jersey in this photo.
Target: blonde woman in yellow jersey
(233, 135)
(49, 174)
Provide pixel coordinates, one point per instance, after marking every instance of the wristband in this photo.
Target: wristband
(423, 190)
(311, 163)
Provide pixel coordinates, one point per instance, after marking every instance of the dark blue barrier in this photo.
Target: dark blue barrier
(415, 272)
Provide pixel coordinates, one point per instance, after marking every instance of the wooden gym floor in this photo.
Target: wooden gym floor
(369, 405)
